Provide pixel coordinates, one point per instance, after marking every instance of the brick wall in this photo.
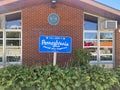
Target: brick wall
(117, 47)
(35, 24)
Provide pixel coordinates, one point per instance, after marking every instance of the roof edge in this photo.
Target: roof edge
(101, 6)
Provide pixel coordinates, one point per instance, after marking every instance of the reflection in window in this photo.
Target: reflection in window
(89, 35)
(90, 42)
(13, 43)
(1, 42)
(106, 43)
(13, 58)
(1, 34)
(13, 21)
(13, 51)
(105, 50)
(106, 58)
(93, 58)
(16, 24)
(0, 59)
(106, 35)
(92, 50)
(0, 23)
(13, 35)
(90, 22)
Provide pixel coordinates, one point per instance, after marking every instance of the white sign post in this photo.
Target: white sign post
(54, 58)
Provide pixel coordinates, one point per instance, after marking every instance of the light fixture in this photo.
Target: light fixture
(53, 1)
(53, 4)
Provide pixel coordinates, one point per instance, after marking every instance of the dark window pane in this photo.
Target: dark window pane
(13, 43)
(106, 58)
(13, 58)
(1, 42)
(93, 58)
(106, 35)
(13, 35)
(90, 22)
(0, 59)
(89, 35)
(0, 24)
(1, 34)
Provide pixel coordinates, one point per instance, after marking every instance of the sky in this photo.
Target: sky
(112, 3)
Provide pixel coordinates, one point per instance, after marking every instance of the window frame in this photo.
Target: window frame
(4, 30)
(98, 43)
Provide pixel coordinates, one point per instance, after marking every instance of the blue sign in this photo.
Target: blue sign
(53, 19)
(59, 44)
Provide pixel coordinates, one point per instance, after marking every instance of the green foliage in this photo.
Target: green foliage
(101, 78)
(117, 70)
(57, 78)
(81, 57)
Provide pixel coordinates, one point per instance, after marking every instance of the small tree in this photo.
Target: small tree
(81, 57)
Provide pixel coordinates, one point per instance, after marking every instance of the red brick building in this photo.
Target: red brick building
(90, 24)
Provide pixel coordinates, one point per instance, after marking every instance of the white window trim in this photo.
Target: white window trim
(98, 40)
(4, 30)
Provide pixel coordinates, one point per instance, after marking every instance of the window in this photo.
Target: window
(0, 24)
(13, 35)
(91, 35)
(90, 38)
(106, 35)
(13, 21)
(1, 38)
(1, 42)
(13, 58)
(1, 46)
(10, 46)
(90, 23)
(13, 51)
(0, 59)
(106, 46)
(98, 42)
(1, 35)
(13, 43)
(13, 38)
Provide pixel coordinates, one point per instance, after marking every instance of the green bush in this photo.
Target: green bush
(57, 78)
(101, 78)
(117, 70)
(81, 57)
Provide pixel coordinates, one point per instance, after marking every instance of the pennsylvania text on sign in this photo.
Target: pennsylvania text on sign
(59, 44)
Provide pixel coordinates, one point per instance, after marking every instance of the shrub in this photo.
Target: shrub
(13, 76)
(101, 78)
(57, 78)
(117, 70)
(81, 57)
